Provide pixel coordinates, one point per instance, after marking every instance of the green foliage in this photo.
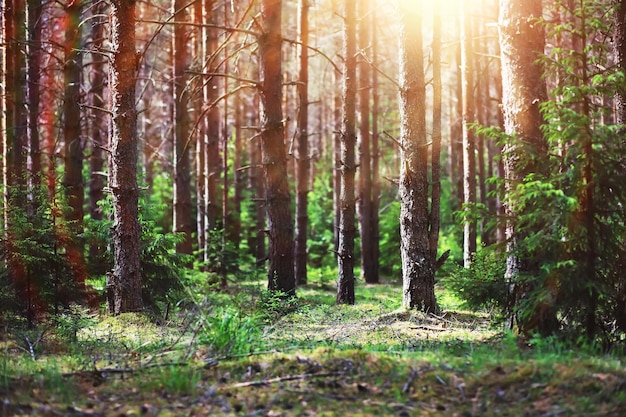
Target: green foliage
(72, 320)
(228, 332)
(36, 277)
(162, 268)
(222, 255)
(390, 240)
(175, 379)
(276, 304)
(482, 285)
(569, 222)
(320, 238)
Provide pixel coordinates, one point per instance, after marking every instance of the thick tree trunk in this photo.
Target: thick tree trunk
(418, 269)
(345, 252)
(524, 89)
(125, 285)
(302, 153)
(183, 208)
(274, 159)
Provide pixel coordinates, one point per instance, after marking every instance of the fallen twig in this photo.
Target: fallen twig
(268, 381)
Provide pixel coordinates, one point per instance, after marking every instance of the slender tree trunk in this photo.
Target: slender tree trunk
(15, 141)
(16, 115)
(302, 153)
(469, 146)
(619, 51)
(345, 255)
(523, 91)
(588, 200)
(418, 269)
(374, 223)
(213, 166)
(435, 205)
(98, 122)
(368, 270)
(274, 159)
(125, 283)
(257, 238)
(73, 184)
(336, 162)
(235, 229)
(456, 131)
(201, 51)
(183, 220)
(34, 75)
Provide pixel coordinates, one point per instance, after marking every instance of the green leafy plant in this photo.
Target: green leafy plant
(228, 332)
(482, 285)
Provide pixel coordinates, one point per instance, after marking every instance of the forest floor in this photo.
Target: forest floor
(308, 357)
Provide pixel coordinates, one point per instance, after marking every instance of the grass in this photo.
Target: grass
(246, 353)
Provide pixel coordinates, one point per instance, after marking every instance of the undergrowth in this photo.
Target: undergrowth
(245, 351)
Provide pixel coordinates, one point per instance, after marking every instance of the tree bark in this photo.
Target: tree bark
(345, 251)
(274, 159)
(98, 125)
(469, 146)
(435, 205)
(302, 152)
(125, 286)
(368, 269)
(201, 48)
(619, 51)
(524, 89)
(183, 220)
(418, 269)
(35, 9)
(73, 184)
(374, 223)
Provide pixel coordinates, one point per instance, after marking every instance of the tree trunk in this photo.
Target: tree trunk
(345, 252)
(124, 289)
(619, 51)
(302, 150)
(523, 91)
(16, 116)
(98, 125)
(183, 220)
(368, 269)
(15, 140)
(274, 159)
(418, 270)
(469, 146)
(73, 184)
(201, 47)
(374, 223)
(435, 205)
(34, 76)
(336, 152)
